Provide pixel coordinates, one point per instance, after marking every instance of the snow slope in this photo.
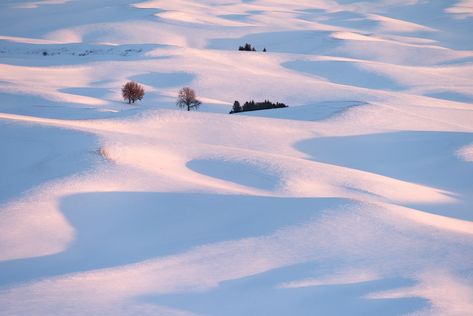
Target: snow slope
(357, 199)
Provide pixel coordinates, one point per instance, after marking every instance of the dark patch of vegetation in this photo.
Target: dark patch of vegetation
(87, 52)
(247, 48)
(129, 51)
(255, 106)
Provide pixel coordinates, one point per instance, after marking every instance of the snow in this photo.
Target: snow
(356, 199)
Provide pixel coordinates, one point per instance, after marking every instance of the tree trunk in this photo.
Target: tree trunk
(129, 100)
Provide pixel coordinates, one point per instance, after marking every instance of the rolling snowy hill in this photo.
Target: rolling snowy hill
(357, 199)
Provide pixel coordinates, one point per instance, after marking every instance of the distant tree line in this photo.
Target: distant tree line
(255, 106)
(248, 48)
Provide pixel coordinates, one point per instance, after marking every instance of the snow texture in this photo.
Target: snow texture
(356, 199)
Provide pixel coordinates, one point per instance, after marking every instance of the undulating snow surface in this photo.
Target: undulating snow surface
(355, 200)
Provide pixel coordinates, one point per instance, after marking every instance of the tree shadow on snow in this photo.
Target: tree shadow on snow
(317, 111)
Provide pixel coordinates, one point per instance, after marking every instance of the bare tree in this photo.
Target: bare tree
(187, 99)
(132, 91)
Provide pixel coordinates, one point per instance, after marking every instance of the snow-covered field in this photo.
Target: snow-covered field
(355, 200)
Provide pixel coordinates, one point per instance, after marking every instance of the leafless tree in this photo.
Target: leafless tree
(187, 99)
(132, 91)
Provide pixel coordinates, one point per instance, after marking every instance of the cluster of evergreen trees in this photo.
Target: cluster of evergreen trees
(255, 106)
(249, 48)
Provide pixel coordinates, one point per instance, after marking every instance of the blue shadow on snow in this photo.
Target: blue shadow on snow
(260, 295)
(117, 228)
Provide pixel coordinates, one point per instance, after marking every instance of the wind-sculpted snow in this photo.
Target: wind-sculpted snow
(356, 199)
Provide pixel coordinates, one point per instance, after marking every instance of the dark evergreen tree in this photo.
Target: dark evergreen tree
(247, 48)
(236, 107)
(254, 106)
